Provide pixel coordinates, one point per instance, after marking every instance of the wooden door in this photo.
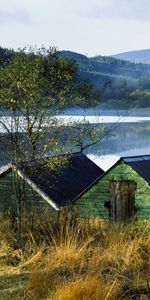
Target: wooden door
(122, 200)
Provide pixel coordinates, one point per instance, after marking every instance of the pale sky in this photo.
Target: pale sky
(90, 27)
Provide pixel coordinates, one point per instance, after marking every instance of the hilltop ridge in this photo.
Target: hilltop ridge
(120, 83)
(137, 56)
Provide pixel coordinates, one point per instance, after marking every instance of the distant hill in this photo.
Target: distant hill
(108, 65)
(5, 55)
(139, 56)
(119, 82)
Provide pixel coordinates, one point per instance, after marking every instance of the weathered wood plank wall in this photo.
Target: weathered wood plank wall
(8, 199)
(91, 204)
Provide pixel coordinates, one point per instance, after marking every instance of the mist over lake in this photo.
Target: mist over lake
(130, 137)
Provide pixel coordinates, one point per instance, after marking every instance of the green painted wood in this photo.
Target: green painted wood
(91, 204)
(34, 202)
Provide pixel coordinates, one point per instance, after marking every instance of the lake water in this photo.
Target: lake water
(131, 137)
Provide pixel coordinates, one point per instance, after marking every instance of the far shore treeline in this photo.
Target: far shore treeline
(117, 83)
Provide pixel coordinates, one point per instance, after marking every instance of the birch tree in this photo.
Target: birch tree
(35, 86)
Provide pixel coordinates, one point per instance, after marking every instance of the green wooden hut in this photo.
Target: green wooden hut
(122, 192)
(43, 186)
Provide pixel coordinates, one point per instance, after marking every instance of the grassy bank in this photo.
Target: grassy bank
(87, 261)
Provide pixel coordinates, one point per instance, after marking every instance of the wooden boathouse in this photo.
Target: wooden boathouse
(121, 193)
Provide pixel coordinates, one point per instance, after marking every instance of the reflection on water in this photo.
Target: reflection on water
(132, 137)
(129, 139)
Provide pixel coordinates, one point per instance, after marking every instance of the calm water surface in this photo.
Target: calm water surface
(132, 136)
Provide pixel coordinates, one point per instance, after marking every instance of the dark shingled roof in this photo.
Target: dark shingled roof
(141, 164)
(66, 183)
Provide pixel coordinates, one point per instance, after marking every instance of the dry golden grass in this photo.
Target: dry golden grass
(83, 288)
(83, 261)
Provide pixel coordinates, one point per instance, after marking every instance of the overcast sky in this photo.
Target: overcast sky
(86, 26)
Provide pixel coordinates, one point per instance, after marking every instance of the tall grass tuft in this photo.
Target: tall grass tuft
(79, 260)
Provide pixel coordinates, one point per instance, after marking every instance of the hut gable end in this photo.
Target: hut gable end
(94, 202)
(62, 185)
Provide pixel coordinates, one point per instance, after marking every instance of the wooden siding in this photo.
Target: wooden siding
(7, 199)
(33, 200)
(91, 203)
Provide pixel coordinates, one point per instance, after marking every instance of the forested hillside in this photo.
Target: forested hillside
(5, 55)
(118, 82)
